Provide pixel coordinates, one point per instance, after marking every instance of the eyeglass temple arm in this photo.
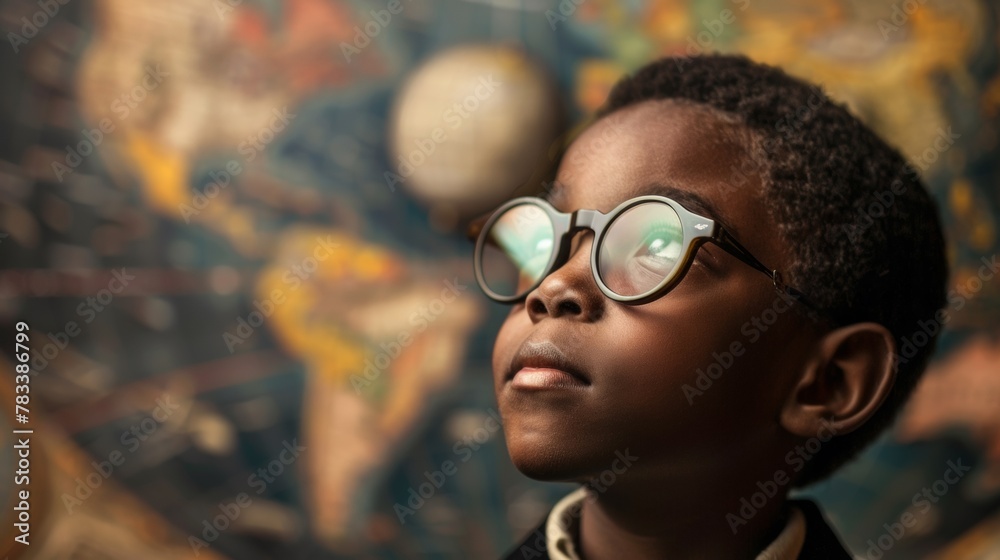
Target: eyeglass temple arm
(731, 245)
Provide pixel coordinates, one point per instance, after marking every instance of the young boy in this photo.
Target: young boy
(706, 311)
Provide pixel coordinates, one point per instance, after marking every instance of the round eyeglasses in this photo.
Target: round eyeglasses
(640, 251)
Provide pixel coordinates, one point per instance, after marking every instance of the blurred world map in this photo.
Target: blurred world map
(252, 210)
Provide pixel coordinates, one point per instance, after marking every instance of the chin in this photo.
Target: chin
(550, 458)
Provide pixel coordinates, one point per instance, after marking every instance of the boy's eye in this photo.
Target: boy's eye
(663, 245)
(659, 249)
(653, 256)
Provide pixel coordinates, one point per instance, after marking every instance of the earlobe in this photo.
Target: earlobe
(843, 382)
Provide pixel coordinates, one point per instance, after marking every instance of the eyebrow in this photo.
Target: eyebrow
(690, 200)
(554, 192)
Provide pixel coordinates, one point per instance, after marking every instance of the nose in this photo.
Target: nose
(569, 291)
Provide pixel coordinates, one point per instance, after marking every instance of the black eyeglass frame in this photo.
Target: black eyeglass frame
(696, 230)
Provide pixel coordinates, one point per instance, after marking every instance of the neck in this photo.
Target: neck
(679, 520)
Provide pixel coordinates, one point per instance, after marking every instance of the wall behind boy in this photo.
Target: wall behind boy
(220, 169)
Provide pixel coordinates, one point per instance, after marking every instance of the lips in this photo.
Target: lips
(545, 362)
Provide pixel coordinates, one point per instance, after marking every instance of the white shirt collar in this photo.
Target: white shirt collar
(564, 523)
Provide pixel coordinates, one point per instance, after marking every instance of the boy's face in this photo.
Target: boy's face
(637, 359)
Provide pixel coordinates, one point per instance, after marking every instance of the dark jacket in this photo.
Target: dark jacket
(821, 542)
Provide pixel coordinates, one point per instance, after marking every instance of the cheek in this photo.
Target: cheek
(653, 366)
(667, 349)
(683, 383)
(508, 337)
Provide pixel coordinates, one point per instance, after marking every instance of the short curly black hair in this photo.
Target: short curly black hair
(864, 230)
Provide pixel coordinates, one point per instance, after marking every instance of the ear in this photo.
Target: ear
(843, 382)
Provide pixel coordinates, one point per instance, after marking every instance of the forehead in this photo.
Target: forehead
(653, 144)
